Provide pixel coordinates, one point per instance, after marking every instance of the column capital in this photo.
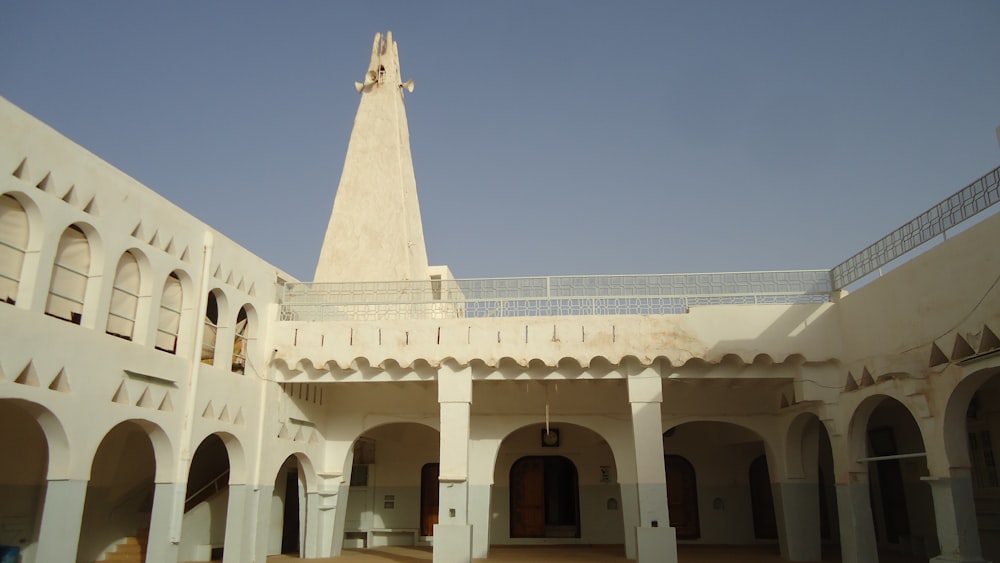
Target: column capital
(645, 386)
(454, 384)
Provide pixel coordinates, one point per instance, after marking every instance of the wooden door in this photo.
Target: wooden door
(765, 525)
(682, 497)
(429, 491)
(527, 498)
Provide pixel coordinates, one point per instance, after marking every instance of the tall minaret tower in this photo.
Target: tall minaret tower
(375, 233)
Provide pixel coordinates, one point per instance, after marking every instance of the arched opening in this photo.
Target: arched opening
(211, 329)
(972, 437)
(168, 323)
(22, 480)
(119, 503)
(901, 504)
(288, 501)
(124, 298)
(720, 454)
(240, 340)
(682, 497)
(810, 459)
(70, 274)
(206, 502)
(13, 246)
(393, 495)
(543, 495)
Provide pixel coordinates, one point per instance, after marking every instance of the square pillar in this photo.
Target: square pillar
(955, 515)
(62, 515)
(168, 506)
(797, 509)
(260, 499)
(655, 539)
(235, 531)
(453, 533)
(857, 528)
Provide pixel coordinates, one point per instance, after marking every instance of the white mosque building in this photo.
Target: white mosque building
(166, 396)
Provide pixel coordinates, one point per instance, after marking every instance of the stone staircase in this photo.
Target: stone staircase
(128, 550)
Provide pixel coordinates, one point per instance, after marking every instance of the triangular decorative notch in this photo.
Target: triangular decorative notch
(784, 402)
(46, 184)
(989, 341)
(208, 412)
(60, 382)
(851, 384)
(866, 378)
(229, 279)
(169, 249)
(145, 400)
(28, 376)
(166, 405)
(937, 356)
(70, 196)
(283, 432)
(239, 286)
(299, 435)
(961, 348)
(252, 292)
(155, 239)
(91, 207)
(22, 170)
(137, 231)
(121, 395)
(218, 272)
(239, 420)
(224, 415)
(184, 255)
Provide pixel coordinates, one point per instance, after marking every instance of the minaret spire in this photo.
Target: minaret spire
(375, 232)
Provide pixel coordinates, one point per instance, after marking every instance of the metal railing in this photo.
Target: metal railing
(549, 296)
(625, 295)
(960, 206)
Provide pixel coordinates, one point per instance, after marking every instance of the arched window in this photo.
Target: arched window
(124, 298)
(168, 324)
(13, 245)
(70, 274)
(240, 342)
(211, 328)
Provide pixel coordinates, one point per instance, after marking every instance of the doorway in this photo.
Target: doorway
(429, 492)
(682, 497)
(544, 498)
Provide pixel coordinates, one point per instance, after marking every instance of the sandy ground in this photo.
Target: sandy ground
(572, 554)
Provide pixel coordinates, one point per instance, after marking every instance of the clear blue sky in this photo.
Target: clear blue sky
(555, 137)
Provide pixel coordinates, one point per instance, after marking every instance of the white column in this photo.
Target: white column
(261, 499)
(232, 551)
(955, 512)
(453, 533)
(796, 505)
(62, 515)
(164, 539)
(311, 541)
(340, 516)
(857, 529)
(655, 539)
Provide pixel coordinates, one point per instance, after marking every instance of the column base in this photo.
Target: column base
(656, 545)
(452, 543)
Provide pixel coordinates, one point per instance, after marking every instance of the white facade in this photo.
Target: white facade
(162, 387)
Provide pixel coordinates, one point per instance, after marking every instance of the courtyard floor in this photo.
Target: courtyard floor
(573, 554)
